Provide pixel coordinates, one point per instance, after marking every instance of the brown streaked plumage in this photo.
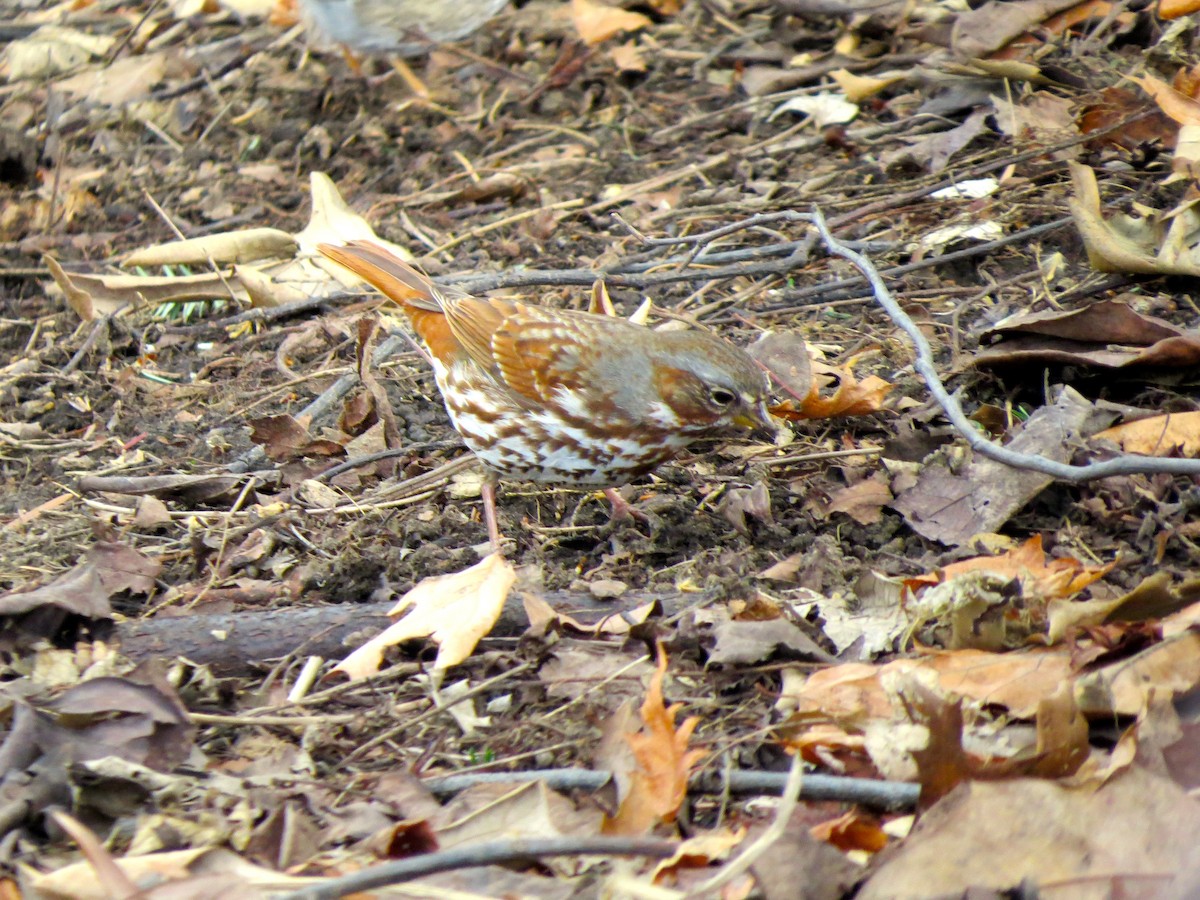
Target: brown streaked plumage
(565, 397)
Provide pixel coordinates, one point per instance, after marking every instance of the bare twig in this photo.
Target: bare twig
(888, 795)
(832, 290)
(487, 854)
(440, 707)
(319, 407)
(359, 461)
(1130, 464)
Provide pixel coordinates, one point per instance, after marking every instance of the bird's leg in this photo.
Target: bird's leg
(488, 492)
(409, 77)
(353, 61)
(621, 508)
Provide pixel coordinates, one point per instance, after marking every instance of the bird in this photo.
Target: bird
(562, 396)
(405, 28)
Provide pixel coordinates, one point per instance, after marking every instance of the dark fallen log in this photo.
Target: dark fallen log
(233, 643)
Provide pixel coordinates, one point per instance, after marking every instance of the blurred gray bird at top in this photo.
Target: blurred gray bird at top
(398, 28)
(402, 27)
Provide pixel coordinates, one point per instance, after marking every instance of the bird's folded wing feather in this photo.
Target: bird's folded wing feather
(537, 353)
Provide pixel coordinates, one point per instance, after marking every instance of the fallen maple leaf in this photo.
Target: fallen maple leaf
(455, 610)
(1040, 576)
(658, 785)
(995, 602)
(852, 397)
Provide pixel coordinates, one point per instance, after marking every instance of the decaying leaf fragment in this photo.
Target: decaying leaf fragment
(1169, 435)
(1106, 334)
(851, 398)
(1168, 244)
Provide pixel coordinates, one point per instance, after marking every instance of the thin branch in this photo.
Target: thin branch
(1130, 464)
(486, 854)
(316, 410)
(845, 287)
(886, 795)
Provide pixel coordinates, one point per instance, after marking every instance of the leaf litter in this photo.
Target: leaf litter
(1024, 649)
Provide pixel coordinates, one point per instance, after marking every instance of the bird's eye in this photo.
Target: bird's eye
(722, 397)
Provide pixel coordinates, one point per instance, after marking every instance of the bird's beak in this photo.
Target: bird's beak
(758, 420)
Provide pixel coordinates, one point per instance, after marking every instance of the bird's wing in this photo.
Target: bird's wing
(536, 351)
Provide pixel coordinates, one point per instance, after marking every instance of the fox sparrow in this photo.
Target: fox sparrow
(560, 396)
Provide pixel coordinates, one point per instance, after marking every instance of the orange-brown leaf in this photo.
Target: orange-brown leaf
(852, 398)
(1040, 576)
(664, 762)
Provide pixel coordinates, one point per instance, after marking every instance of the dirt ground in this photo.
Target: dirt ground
(563, 137)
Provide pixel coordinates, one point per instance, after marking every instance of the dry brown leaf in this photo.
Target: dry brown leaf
(542, 616)
(1040, 576)
(515, 810)
(111, 877)
(285, 262)
(863, 502)
(858, 88)
(455, 610)
(1169, 435)
(1028, 45)
(85, 589)
(52, 50)
(118, 82)
(699, 852)
(1125, 687)
(98, 295)
(659, 783)
(981, 31)
(1182, 109)
(1062, 735)
(265, 291)
(628, 58)
(596, 22)
(1116, 105)
(1138, 829)
(1174, 9)
(785, 356)
(852, 694)
(1165, 244)
(246, 246)
(853, 830)
(283, 438)
(210, 872)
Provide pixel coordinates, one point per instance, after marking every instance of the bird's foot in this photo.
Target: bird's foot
(623, 511)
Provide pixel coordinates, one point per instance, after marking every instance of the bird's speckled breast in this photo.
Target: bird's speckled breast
(554, 444)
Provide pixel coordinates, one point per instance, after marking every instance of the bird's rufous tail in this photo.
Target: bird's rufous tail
(381, 268)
